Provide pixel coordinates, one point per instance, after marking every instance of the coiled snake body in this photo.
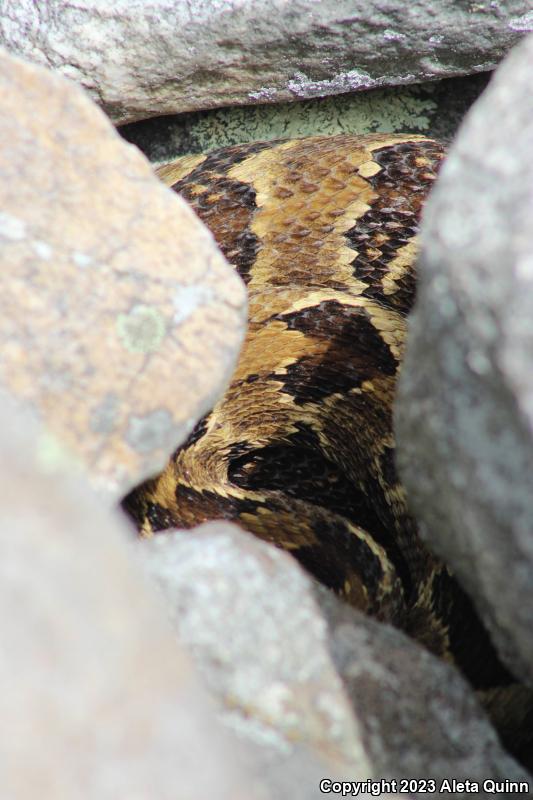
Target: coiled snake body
(300, 449)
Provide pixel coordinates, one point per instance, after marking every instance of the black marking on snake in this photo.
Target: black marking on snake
(223, 198)
(299, 468)
(217, 162)
(134, 504)
(388, 466)
(389, 217)
(211, 505)
(195, 435)
(480, 665)
(356, 352)
(159, 517)
(328, 564)
(236, 451)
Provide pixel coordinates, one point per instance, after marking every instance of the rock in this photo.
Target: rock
(435, 109)
(245, 611)
(465, 407)
(249, 616)
(418, 716)
(98, 701)
(120, 320)
(237, 52)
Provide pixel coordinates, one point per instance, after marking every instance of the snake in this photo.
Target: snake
(300, 449)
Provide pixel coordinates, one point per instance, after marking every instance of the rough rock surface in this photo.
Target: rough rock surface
(248, 615)
(465, 407)
(245, 611)
(98, 701)
(417, 715)
(434, 108)
(119, 318)
(140, 58)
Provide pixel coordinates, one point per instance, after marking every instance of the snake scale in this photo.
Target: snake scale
(300, 450)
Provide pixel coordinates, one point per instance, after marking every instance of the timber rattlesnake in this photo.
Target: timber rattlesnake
(300, 450)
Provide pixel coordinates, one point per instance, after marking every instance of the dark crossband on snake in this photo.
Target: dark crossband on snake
(300, 449)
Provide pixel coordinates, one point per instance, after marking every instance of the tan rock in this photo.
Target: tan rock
(98, 702)
(119, 318)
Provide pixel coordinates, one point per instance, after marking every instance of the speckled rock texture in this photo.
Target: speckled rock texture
(465, 407)
(245, 612)
(120, 320)
(434, 108)
(141, 58)
(417, 715)
(250, 618)
(98, 701)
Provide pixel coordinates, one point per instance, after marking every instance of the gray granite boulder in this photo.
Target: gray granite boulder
(358, 696)
(142, 58)
(465, 407)
(417, 715)
(245, 612)
(98, 700)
